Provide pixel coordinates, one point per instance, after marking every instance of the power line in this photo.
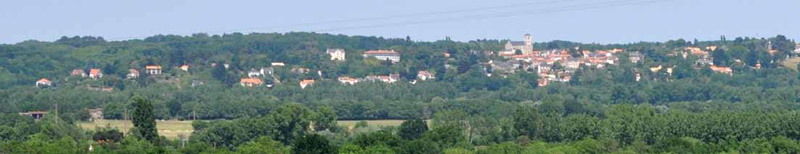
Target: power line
(413, 14)
(500, 15)
(421, 14)
(480, 16)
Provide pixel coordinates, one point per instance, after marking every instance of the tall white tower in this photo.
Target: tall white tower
(769, 45)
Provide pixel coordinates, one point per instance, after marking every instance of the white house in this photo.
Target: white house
(133, 73)
(424, 75)
(153, 69)
(78, 72)
(347, 80)
(43, 82)
(336, 54)
(306, 83)
(383, 55)
(797, 48)
(184, 67)
(260, 72)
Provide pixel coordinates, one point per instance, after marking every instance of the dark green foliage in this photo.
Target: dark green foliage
(446, 136)
(107, 135)
(291, 121)
(420, 147)
(263, 145)
(144, 121)
(325, 120)
(412, 129)
(382, 137)
(527, 121)
(313, 144)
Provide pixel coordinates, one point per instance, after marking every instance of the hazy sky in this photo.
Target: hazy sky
(601, 21)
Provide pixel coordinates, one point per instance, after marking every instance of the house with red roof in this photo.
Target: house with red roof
(95, 73)
(184, 67)
(347, 80)
(425, 75)
(153, 69)
(78, 72)
(43, 82)
(306, 83)
(721, 69)
(133, 73)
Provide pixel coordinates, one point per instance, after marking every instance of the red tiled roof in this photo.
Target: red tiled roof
(43, 80)
(721, 69)
(256, 81)
(77, 72)
(94, 71)
(425, 73)
(153, 67)
(306, 82)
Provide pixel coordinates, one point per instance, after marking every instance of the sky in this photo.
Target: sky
(588, 21)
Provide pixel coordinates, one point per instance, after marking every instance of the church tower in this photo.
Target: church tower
(528, 44)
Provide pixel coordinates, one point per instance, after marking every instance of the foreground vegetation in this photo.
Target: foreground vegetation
(174, 129)
(531, 128)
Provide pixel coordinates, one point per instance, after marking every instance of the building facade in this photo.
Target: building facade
(390, 55)
(336, 54)
(526, 47)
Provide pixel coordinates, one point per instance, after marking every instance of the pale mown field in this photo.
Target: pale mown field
(172, 129)
(169, 128)
(791, 63)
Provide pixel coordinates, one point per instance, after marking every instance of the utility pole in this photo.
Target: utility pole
(124, 118)
(194, 112)
(56, 114)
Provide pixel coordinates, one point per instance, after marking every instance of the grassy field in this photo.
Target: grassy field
(170, 128)
(173, 128)
(791, 63)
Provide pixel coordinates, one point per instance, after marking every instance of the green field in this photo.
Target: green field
(172, 129)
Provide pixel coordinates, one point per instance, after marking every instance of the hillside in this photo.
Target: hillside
(237, 75)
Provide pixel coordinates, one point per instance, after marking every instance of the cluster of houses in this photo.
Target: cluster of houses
(254, 76)
(95, 73)
(705, 59)
(522, 56)
(391, 78)
(519, 55)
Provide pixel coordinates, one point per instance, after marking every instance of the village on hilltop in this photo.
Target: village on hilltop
(516, 56)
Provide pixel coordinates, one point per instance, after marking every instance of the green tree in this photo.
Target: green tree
(420, 147)
(291, 121)
(527, 121)
(721, 57)
(326, 119)
(412, 129)
(263, 145)
(382, 137)
(313, 144)
(446, 136)
(144, 122)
